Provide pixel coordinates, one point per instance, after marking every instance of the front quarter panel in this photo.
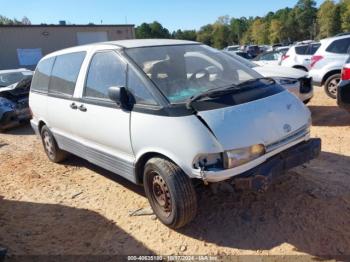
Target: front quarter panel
(180, 139)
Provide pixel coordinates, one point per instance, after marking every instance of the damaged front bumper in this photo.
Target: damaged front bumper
(14, 118)
(261, 176)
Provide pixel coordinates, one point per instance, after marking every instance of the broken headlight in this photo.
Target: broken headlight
(238, 157)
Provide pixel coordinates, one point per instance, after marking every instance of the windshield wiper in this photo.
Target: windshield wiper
(211, 93)
(256, 80)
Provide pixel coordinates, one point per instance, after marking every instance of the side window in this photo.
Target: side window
(65, 73)
(138, 89)
(106, 70)
(301, 50)
(339, 46)
(268, 57)
(42, 74)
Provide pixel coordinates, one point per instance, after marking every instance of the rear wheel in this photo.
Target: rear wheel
(170, 193)
(53, 152)
(331, 85)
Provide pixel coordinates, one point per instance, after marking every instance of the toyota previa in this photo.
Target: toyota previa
(167, 113)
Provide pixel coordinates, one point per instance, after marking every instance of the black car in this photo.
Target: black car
(244, 55)
(253, 50)
(343, 96)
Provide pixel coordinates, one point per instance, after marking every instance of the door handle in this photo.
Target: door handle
(73, 106)
(82, 108)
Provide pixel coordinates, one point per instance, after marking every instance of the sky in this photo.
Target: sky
(174, 14)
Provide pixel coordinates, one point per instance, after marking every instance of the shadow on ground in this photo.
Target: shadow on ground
(24, 129)
(329, 116)
(36, 229)
(305, 209)
(308, 208)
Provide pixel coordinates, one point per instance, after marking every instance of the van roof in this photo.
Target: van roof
(132, 43)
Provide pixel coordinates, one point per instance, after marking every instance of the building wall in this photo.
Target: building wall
(49, 39)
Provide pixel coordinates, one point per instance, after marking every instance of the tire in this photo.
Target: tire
(331, 85)
(53, 152)
(170, 193)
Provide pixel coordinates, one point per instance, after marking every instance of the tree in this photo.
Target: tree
(185, 35)
(260, 31)
(305, 16)
(220, 35)
(237, 29)
(345, 15)
(7, 21)
(152, 30)
(26, 21)
(276, 29)
(328, 19)
(204, 35)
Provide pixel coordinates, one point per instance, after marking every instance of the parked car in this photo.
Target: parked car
(163, 113)
(343, 96)
(299, 56)
(328, 61)
(294, 80)
(253, 50)
(9, 77)
(269, 58)
(14, 108)
(232, 48)
(243, 54)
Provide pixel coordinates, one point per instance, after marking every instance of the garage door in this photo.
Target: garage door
(91, 37)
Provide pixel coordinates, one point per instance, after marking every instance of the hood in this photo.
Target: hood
(259, 122)
(280, 71)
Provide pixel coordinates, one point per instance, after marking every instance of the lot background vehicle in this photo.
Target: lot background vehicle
(328, 61)
(343, 96)
(198, 95)
(232, 48)
(268, 58)
(294, 80)
(14, 108)
(299, 56)
(253, 50)
(243, 54)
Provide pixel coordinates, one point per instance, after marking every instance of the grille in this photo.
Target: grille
(305, 85)
(288, 139)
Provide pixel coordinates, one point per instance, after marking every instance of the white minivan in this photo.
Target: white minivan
(166, 113)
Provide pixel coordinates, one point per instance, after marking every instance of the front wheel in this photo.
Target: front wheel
(331, 85)
(170, 193)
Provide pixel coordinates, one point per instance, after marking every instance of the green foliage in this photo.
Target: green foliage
(7, 21)
(328, 19)
(152, 30)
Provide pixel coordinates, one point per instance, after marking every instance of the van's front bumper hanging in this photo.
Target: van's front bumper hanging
(261, 176)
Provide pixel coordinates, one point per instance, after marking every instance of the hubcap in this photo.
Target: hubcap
(161, 194)
(333, 86)
(48, 143)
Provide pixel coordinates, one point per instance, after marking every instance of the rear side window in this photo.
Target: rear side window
(301, 50)
(311, 50)
(65, 73)
(42, 74)
(340, 46)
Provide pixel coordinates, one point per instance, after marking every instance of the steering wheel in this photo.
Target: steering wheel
(205, 76)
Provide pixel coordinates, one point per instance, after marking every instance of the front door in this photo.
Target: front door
(102, 127)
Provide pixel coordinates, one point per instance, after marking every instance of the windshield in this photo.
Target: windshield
(184, 71)
(7, 79)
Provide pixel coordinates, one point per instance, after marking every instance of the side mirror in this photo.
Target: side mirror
(119, 95)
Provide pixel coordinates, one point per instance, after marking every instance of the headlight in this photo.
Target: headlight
(286, 81)
(238, 157)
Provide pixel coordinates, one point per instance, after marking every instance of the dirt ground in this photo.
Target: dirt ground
(78, 208)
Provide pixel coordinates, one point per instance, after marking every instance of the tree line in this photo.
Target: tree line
(302, 22)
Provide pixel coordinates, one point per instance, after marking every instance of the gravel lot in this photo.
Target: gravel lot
(78, 208)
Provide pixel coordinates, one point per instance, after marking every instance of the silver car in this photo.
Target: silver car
(328, 61)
